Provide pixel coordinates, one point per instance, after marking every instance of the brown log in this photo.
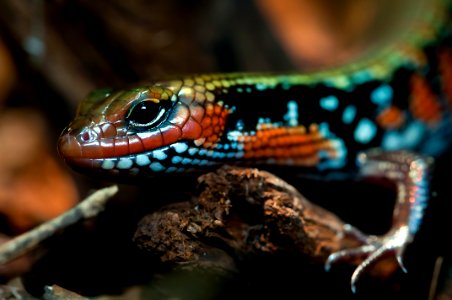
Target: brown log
(246, 211)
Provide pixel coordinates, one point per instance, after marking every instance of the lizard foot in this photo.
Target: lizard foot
(410, 172)
(373, 248)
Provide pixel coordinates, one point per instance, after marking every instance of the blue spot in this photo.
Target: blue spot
(349, 114)
(193, 151)
(240, 125)
(435, 146)
(159, 154)
(171, 169)
(285, 84)
(323, 154)
(365, 131)
(329, 103)
(176, 159)
(331, 164)
(124, 163)
(361, 77)
(414, 134)
(260, 86)
(230, 155)
(438, 139)
(142, 160)
(180, 147)
(409, 138)
(292, 113)
(392, 141)
(341, 150)
(334, 163)
(186, 161)
(382, 95)
(108, 164)
(157, 167)
(324, 129)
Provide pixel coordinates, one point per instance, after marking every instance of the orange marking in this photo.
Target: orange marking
(445, 68)
(307, 161)
(212, 124)
(213, 138)
(215, 120)
(391, 118)
(424, 104)
(207, 132)
(206, 122)
(218, 109)
(209, 109)
(287, 142)
(157, 93)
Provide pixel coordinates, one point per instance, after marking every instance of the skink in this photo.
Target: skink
(386, 115)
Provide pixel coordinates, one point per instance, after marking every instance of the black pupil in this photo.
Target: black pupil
(145, 113)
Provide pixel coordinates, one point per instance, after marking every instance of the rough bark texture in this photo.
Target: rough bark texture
(246, 220)
(246, 211)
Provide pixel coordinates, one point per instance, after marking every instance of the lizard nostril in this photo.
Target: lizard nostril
(85, 136)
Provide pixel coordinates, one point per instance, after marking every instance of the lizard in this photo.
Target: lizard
(386, 115)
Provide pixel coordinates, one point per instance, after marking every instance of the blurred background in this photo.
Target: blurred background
(54, 52)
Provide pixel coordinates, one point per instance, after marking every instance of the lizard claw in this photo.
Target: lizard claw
(374, 248)
(410, 172)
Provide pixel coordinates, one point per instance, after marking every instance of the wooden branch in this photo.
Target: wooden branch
(246, 211)
(26, 242)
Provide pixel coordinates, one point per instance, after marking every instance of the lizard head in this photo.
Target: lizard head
(146, 128)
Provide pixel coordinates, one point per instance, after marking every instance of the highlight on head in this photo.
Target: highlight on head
(107, 121)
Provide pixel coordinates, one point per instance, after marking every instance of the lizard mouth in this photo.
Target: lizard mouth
(177, 157)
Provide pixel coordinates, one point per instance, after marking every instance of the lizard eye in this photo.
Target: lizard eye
(147, 114)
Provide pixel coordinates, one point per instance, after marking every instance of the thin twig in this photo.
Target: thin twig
(87, 208)
(436, 272)
(55, 292)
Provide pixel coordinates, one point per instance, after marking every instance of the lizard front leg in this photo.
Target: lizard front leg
(410, 172)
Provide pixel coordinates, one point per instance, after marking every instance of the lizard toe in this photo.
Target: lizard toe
(393, 242)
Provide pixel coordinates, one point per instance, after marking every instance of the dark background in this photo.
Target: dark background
(52, 53)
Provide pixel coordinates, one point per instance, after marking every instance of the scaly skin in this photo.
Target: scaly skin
(395, 101)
